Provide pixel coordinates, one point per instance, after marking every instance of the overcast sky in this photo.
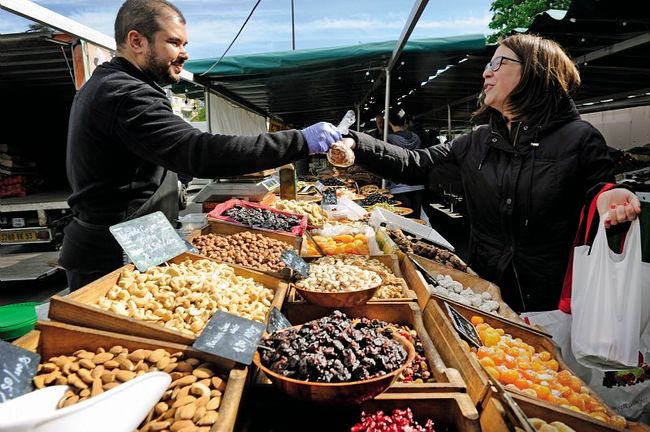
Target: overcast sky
(212, 24)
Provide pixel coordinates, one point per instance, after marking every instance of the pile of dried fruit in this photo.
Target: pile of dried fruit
(262, 218)
(333, 349)
(375, 198)
(399, 421)
(410, 245)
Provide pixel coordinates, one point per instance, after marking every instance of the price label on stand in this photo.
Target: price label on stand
(17, 369)
(231, 337)
(293, 261)
(320, 187)
(329, 197)
(463, 326)
(149, 240)
(277, 321)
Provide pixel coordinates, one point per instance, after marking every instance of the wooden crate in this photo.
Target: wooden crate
(447, 380)
(447, 342)
(77, 308)
(223, 228)
(54, 339)
(226, 227)
(492, 417)
(390, 261)
(477, 284)
(453, 410)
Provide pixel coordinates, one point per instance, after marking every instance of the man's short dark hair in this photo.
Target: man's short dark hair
(141, 16)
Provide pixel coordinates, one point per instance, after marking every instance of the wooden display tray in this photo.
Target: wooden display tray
(54, 339)
(492, 417)
(278, 235)
(76, 308)
(389, 261)
(475, 283)
(223, 228)
(447, 380)
(447, 342)
(454, 410)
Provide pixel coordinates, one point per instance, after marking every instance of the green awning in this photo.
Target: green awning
(306, 86)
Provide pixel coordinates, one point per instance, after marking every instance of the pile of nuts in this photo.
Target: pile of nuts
(262, 218)
(245, 248)
(409, 245)
(190, 403)
(400, 420)
(184, 296)
(316, 216)
(454, 290)
(338, 277)
(333, 349)
(392, 287)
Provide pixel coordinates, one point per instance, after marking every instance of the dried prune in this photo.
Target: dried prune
(333, 349)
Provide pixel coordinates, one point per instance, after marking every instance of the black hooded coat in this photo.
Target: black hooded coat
(524, 190)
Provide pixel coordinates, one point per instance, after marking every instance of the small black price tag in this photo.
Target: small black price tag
(231, 337)
(293, 261)
(17, 369)
(329, 197)
(149, 240)
(277, 321)
(463, 326)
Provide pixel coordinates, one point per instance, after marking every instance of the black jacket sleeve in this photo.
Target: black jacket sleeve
(433, 165)
(152, 131)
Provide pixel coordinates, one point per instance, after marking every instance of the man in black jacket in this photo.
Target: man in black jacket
(125, 144)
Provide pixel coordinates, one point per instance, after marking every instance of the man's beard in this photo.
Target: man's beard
(160, 71)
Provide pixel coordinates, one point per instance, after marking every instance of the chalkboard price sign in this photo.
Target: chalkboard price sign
(277, 321)
(293, 261)
(17, 369)
(231, 337)
(149, 240)
(463, 326)
(329, 197)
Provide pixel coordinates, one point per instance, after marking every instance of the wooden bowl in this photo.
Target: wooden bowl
(339, 299)
(348, 393)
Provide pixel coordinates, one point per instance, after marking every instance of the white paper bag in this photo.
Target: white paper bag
(609, 302)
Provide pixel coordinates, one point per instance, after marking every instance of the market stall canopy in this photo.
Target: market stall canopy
(610, 43)
(306, 86)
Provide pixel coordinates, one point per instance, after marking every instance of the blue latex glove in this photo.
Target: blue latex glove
(320, 137)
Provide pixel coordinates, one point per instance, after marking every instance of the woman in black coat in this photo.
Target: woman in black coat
(525, 173)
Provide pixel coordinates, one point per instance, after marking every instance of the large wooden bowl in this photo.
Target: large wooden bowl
(348, 393)
(339, 299)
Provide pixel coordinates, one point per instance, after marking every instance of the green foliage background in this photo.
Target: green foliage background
(512, 14)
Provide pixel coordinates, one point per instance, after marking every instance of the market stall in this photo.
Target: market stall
(343, 333)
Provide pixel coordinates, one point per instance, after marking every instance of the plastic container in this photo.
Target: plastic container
(120, 409)
(17, 319)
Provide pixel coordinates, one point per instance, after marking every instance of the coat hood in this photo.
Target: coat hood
(405, 139)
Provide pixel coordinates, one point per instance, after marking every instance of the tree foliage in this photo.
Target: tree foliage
(512, 14)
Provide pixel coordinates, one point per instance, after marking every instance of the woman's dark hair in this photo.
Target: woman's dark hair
(548, 78)
(141, 16)
(397, 117)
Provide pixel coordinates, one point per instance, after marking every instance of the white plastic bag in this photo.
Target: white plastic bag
(609, 302)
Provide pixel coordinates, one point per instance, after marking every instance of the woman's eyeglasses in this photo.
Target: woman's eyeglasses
(496, 63)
